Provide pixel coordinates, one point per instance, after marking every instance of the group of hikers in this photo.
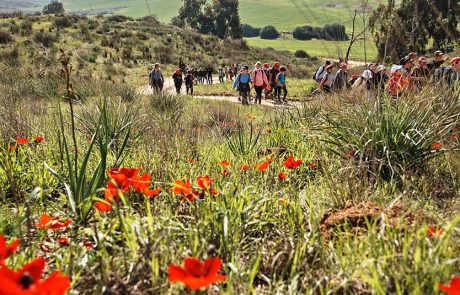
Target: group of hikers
(411, 74)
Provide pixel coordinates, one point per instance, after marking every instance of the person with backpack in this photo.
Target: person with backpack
(325, 85)
(319, 74)
(272, 73)
(221, 75)
(340, 81)
(438, 60)
(449, 76)
(242, 82)
(189, 78)
(156, 79)
(177, 78)
(397, 84)
(281, 84)
(420, 74)
(381, 78)
(259, 80)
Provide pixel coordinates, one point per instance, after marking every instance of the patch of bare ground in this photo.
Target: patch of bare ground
(354, 218)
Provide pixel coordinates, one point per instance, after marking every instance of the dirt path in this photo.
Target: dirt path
(170, 89)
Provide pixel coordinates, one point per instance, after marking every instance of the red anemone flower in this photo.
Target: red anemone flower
(39, 139)
(282, 176)
(88, 245)
(262, 166)
(7, 250)
(453, 288)
(214, 192)
(292, 163)
(196, 274)
(141, 183)
(103, 206)
(225, 173)
(225, 163)
(21, 140)
(312, 165)
(180, 187)
(48, 222)
(11, 147)
(437, 145)
(28, 280)
(192, 196)
(244, 167)
(204, 182)
(152, 192)
(434, 231)
(64, 241)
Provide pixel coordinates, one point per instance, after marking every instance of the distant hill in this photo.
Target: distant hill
(285, 15)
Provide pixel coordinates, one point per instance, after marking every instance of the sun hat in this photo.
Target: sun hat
(396, 68)
(246, 67)
(421, 58)
(404, 60)
(455, 60)
(343, 65)
(367, 74)
(381, 68)
(266, 65)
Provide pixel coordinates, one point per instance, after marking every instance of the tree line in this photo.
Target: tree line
(334, 32)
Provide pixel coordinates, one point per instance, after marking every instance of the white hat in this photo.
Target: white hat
(367, 74)
(381, 68)
(395, 68)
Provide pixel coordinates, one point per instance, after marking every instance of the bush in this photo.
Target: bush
(44, 38)
(335, 32)
(301, 54)
(62, 22)
(249, 31)
(269, 32)
(119, 18)
(5, 37)
(306, 33)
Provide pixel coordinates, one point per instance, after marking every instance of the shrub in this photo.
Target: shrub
(335, 32)
(269, 32)
(249, 31)
(62, 22)
(301, 54)
(119, 18)
(306, 33)
(44, 38)
(5, 37)
(388, 139)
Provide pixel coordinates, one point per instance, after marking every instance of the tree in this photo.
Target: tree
(227, 19)
(305, 33)
(190, 13)
(270, 33)
(54, 7)
(250, 31)
(354, 34)
(335, 32)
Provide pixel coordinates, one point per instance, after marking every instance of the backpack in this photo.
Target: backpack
(318, 72)
(443, 74)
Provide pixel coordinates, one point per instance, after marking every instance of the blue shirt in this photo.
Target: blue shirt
(241, 78)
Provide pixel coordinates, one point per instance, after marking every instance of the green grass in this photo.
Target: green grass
(284, 15)
(319, 48)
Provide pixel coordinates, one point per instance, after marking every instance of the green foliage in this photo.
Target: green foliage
(5, 37)
(301, 54)
(392, 138)
(269, 32)
(44, 38)
(54, 7)
(335, 32)
(249, 31)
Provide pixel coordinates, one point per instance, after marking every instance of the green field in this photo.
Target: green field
(319, 48)
(284, 15)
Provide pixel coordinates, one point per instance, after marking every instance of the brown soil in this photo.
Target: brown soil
(355, 217)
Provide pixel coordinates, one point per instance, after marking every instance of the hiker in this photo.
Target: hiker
(189, 78)
(259, 80)
(241, 83)
(406, 64)
(201, 75)
(420, 75)
(449, 76)
(366, 81)
(281, 84)
(340, 81)
(381, 78)
(177, 78)
(156, 80)
(438, 59)
(319, 74)
(397, 83)
(209, 71)
(221, 75)
(230, 74)
(325, 84)
(272, 73)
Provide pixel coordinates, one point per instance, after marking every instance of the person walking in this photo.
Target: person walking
(325, 84)
(321, 71)
(281, 84)
(340, 81)
(177, 78)
(272, 73)
(189, 78)
(449, 76)
(241, 83)
(209, 71)
(259, 80)
(420, 75)
(156, 79)
(438, 60)
(381, 78)
(397, 84)
(221, 75)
